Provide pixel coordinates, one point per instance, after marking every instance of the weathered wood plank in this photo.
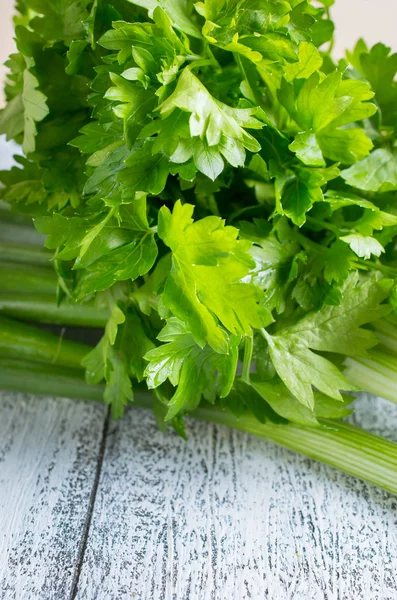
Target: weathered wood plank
(229, 517)
(48, 457)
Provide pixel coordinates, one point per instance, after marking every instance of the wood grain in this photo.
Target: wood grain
(227, 516)
(48, 457)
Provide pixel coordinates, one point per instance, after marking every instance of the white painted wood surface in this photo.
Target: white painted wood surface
(48, 456)
(227, 516)
(223, 516)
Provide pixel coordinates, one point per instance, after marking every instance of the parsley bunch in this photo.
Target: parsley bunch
(219, 196)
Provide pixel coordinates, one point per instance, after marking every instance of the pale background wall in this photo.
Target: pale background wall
(375, 20)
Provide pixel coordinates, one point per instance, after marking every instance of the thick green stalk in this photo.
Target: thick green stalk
(18, 228)
(43, 309)
(343, 446)
(376, 373)
(21, 341)
(28, 292)
(27, 279)
(51, 380)
(247, 359)
(386, 331)
(27, 255)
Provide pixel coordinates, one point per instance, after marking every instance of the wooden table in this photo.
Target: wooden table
(93, 509)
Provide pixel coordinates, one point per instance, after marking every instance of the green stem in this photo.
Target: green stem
(247, 75)
(375, 266)
(38, 378)
(308, 244)
(51, 365)
(343, 446)
(27, 279)
(10, 217)
(376, 373)
(18, 228)
(323, 225)
(21, 341)
(247, 359)
(28, 255)
(386, 331)
(28, 292)
(43, 309)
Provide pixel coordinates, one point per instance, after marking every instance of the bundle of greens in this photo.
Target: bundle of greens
(219, 196)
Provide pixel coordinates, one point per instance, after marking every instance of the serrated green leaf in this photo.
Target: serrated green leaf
(323, 106)
(59, 19)
(245, 395)
(117, 357)
(300, 369)
(338, 262)
(144, 171)
(104, 251)
(309, 62)
(331, 329)
(149, 293)
(12, 121)
(118, 392)
(363, 245)
(379, 67)
(195, 371)
(307, 149)
(376, 173)
(205, 282)
(274, 270)
(35, 110)
(339, 328)
(117, 317)
(222, 127)
(286, 405)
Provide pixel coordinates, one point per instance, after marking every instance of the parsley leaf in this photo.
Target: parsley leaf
(218, 130)
(321, 108)
(205, 282)
(375, 173)
(195, 371)
(331, 329)
(103, 251)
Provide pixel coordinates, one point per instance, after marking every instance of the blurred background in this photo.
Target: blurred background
(374, 20)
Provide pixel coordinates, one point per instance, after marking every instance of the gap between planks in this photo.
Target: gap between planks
(90, 510)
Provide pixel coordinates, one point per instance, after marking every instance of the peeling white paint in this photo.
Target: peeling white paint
(224, 516)
(48, 454)
(229, 517)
